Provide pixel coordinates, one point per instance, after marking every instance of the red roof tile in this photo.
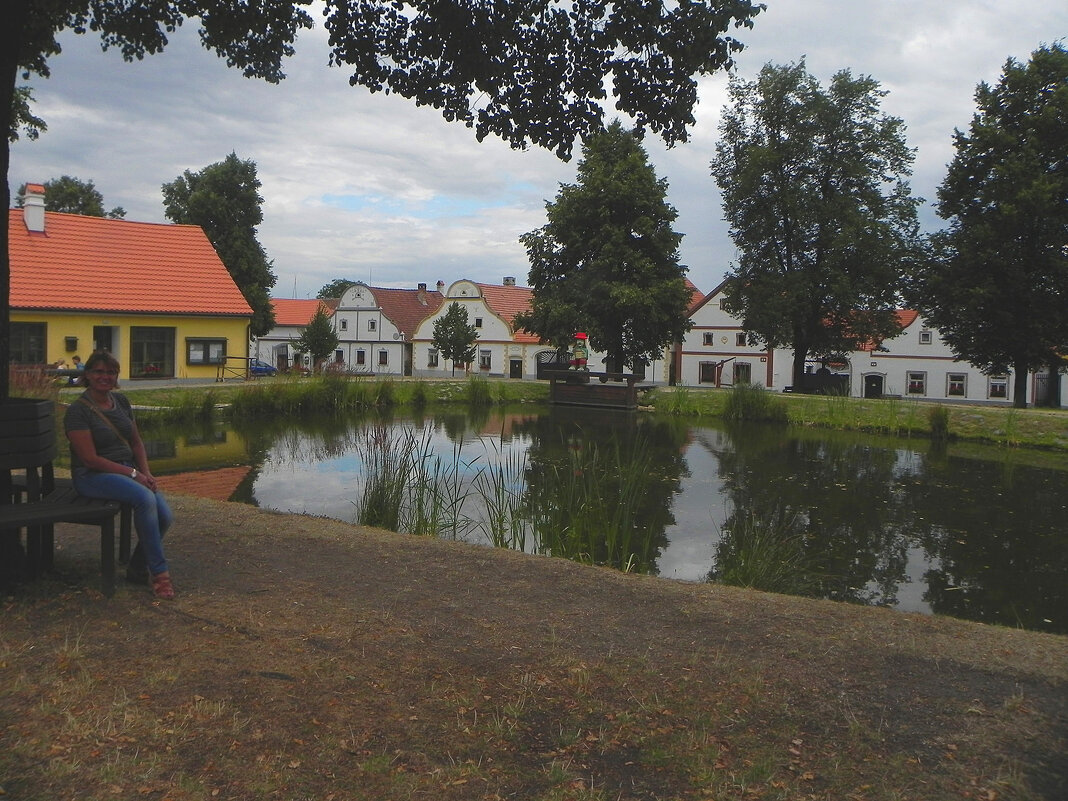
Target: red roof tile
(299, 312)
(99, 264)
(407, 308)
(506, 302)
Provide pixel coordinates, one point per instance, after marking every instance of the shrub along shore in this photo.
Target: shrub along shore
(267, 398)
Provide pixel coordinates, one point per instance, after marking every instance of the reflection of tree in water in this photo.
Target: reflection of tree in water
(840, 491)
(1001, 538)
(628, 453)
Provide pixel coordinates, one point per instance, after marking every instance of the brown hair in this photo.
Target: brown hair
(99, 357)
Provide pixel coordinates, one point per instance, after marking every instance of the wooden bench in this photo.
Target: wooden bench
(54, 500)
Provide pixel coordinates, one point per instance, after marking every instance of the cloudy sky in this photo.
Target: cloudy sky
(371, 188)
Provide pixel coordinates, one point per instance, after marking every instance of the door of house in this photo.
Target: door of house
(873, 386)
(515, 368)
(103, 338)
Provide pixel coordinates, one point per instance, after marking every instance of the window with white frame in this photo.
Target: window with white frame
(956, 385)
(926, 337)
(998, 386)
(709, 338)
(478, 322)
(917, 382)
(343, 324)
(485, 359)
(205, 351)
(372, 325)
(361, 357)
(383, 357)
(723, 304)
(739, 339)
(743, 373)
(432, 358)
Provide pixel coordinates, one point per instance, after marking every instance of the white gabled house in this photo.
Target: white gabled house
(917, 363)
(278, 347)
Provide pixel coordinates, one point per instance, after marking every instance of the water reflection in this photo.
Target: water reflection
(974, 533)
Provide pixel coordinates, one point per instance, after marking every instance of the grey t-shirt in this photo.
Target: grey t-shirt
(84, 415)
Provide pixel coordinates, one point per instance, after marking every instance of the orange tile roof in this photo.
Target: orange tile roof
(299, 312)
(98, 264)
(506, 302)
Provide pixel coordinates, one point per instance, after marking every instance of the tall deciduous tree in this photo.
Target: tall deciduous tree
(335, 289)
(535, 74)
(998, 287)
(224, 200)
(454, 336)
(73, 196)
(318, 339)
(815, 192)
(607, 260)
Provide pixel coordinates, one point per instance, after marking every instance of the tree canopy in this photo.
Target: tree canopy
(224, 200)
(607, 260)
(815, 192)
(318, 339)
(997, 288)
(336, 288)
(534, 74)
(454, 336)
(73, 196)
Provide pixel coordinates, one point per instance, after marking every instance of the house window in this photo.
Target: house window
(956, 385)
(706, 373)
(372, 325)
(478, 322)
(339, 356)
(709, 338)
(723, 304)
(485, 359)
(917, 383)
(926, 337)
(999, 386)
(343, 324)
(432, 358)
(361, 357)
(28, 343)
(739, 339)
(205, 351)
(151, 352)
(743, 373)
(383, 358)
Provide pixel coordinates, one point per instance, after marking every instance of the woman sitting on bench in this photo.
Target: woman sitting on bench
(108, 460)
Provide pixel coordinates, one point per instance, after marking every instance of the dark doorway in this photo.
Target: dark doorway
(515, 368)
(873, 386)
(103, 338)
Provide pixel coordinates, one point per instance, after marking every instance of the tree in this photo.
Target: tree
(531, 75)
(73, 196)
(335, 289)
(224, 200)
(454, 336)
(997, 289)
(814, 191)
(318, 339)
(607, 260)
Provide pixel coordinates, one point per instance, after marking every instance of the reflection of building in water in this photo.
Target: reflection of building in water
(197, 450)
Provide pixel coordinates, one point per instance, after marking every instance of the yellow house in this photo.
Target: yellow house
(156, 296)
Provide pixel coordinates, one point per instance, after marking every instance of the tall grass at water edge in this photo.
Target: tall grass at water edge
(753, 403)
(765, 552)
(586, 508)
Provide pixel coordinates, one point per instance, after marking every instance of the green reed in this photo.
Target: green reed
(753, 403)
(765, 552)
(501, 488)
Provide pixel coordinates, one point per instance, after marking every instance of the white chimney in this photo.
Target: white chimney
(441, 286)
(33, 208)
(509, 280)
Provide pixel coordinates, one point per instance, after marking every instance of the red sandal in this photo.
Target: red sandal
(162, 587)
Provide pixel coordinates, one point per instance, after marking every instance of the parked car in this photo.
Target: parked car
(258, 368)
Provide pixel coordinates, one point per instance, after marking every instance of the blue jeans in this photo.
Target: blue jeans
(152, 516)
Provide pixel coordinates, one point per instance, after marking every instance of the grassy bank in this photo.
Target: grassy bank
(999, 425)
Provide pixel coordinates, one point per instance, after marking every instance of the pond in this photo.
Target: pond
(972, 532)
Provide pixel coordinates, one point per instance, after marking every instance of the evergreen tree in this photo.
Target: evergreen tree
(607, 260)
(814, 189)
(997, 288)
(224, 200)
(318, 339)
(454, 337)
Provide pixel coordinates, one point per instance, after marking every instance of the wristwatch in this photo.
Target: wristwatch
(133, 474)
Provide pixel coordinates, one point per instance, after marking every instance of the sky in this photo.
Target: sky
(371, 188)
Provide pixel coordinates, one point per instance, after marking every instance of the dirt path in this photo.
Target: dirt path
(305, 658)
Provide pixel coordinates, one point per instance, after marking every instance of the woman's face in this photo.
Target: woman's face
(102, 377)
